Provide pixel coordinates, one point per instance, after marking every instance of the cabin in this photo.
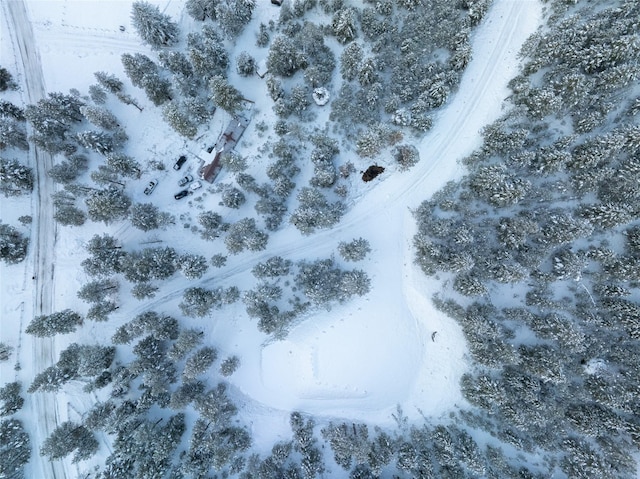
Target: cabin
(226, 142)
(212, 165)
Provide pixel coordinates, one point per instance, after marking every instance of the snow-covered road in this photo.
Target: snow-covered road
(37, 354)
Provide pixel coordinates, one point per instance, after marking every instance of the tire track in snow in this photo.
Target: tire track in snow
(88, 41)
(42, 244)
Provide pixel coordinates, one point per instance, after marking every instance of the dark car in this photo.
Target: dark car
(181, 194)
(181, 161)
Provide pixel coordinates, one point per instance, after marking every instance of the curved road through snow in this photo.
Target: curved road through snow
(44, 407)
(384, 208)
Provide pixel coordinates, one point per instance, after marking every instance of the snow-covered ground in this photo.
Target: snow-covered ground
(357, 361)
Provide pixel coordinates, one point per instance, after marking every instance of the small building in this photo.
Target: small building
(212, 165)
(226, 142)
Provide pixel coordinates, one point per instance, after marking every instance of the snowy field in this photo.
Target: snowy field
(357, 361)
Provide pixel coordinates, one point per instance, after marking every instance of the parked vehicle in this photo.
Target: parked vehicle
(181, 161)
(181, 194)
(195, 185)
(185, 180)
(150, 187)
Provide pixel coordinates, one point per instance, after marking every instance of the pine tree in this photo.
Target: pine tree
(198, 302)
(145, 216)
(15, 448)
(355, 250)
(224, 95)
(98, 141)
(233, 15)
(6, 80)
(207, 53)
(179, 119)
(155, 28)
(193, 266)
(107, 205)
(124, 165)
(110, 82)
(69, 437)
(12, 134)
(244, 234)
(202, 9)
(142, 291)
(11, 399)
(284, 58)
(186, 341)
(199, 362)
(245, 64)
(62, 322)
(13, 245)
(96, 291)
(344, 25)
(15, 177)
(100, 117)
(229, 365)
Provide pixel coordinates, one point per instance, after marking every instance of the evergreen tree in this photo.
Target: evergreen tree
(233, 15)
(12, 134)
(62, 322)
(199, 362)
(207, 53)
(6, 80)
(15, 449)
(155, 28)
(145, 216)
(109, 82)
(245, 235)
(186, 341)
(144, 73)
(355, 250)
(142, 291)
(198, 302)
(69, 215)
(69, 437)
(107, 205)
(225, 95)
(344, 24)
(202, 9)
(5, 351)
(123, 165)
(179, 119)
(229, 365)
(272, 268)
(106, 255)
(97, 141)
(11, 399)
(193, 266)
(315, 211)
(15, 177)
(96, 291)
(245, 64)
(100, 117)
(284, 58)
(13, 245)
(232, 198)
(98, 94)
